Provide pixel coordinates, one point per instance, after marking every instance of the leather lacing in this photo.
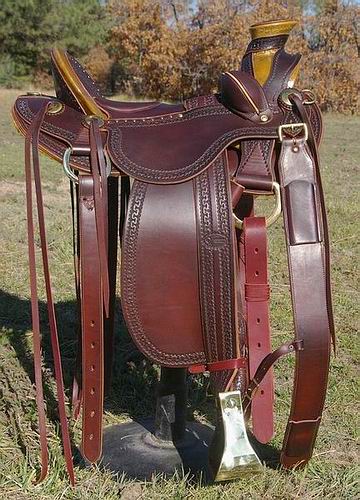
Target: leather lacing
(32, 165)
(100, 199)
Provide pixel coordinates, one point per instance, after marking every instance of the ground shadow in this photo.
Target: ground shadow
(134, 381)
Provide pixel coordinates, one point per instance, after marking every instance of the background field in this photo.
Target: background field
(333, 472)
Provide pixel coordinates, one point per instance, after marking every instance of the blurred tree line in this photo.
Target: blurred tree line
(172, 49)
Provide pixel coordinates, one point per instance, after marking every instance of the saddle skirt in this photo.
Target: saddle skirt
(194, 279)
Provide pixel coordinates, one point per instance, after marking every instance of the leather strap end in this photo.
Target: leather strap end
(298, 451)
(217, 366)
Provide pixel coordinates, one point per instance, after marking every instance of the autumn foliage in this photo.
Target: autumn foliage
(171, 49)
(163, 49)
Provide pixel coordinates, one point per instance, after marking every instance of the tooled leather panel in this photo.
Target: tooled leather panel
(53, 139)
(223, 128)
(267, 43)
(161, 307)
(255, 168)
(316, 121)
(26, 113)
(151, 149)
(217, 267)
(172, 154)
(201, 101)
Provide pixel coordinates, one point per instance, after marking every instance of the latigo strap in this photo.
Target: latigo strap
(257, 296)
(306, 246)
(91, 322)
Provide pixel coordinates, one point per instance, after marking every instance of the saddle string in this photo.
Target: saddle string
(76, 398)
(98, 167)
(32, 163)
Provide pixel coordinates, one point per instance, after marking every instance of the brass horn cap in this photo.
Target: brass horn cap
(272, 28)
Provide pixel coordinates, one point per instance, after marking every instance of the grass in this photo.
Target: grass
(333, 471)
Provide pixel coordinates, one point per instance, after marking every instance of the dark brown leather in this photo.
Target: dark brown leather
(263, 369)
(92, 322)
(243, 95)
(193, 287)
(31, 149)
(311, 303)
(113, 237)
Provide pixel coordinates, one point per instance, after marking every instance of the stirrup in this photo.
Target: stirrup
(238, 456)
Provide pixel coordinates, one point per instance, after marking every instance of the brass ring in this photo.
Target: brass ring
(310, 93)
(273, 217)
(284, 97)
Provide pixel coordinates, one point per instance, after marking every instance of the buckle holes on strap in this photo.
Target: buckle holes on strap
(92, 390)
(92, 414)
(92, 345)
(256, 273)
(261, 392)
(259, 344)
(257, 320)
(92, 323)
(256, 250)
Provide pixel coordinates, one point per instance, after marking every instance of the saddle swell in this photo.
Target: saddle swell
(194, 280)
(167, 152)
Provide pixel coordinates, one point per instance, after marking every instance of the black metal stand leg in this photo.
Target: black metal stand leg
(161, 445)
(170, 418)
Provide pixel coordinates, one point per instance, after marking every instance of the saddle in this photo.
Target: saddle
(194, 274)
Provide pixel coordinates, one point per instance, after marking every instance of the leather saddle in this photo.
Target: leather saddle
(194, 278)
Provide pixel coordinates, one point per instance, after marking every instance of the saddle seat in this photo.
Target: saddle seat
(120, 109)
(86, 95)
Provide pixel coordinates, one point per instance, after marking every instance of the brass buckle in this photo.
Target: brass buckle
(293, 126)
(273, 217)
(68, 170)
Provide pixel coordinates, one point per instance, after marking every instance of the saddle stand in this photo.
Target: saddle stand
(194, 279)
